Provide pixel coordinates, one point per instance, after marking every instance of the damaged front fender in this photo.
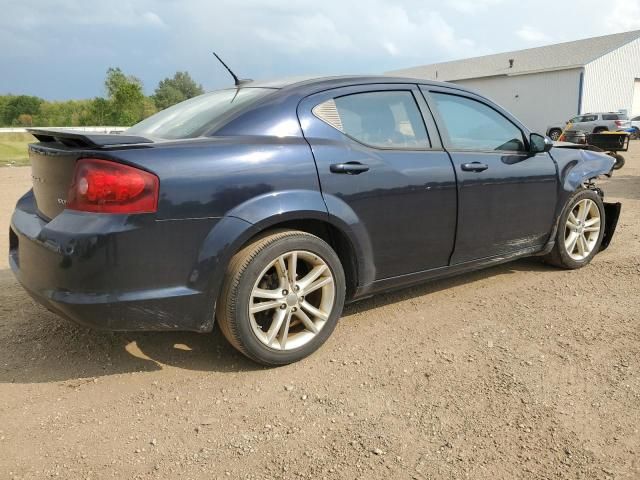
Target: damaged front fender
(579, 165)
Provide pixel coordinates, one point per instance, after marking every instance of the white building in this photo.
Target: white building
(548, 85)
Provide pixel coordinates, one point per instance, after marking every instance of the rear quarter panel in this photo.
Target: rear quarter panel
(211, 177)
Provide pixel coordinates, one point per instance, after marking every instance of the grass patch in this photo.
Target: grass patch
(13, 149)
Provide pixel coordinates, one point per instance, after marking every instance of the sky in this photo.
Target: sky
(61, 49)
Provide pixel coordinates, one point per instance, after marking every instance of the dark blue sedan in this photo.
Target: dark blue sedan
(266, 206)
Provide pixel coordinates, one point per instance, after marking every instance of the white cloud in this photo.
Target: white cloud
(307, 33)
(533, 35)
(152, 18)
(623, 15)
(33, 14)
(390, 48)
(473, 6)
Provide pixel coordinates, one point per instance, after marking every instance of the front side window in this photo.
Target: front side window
(472, 125)
(388, 119)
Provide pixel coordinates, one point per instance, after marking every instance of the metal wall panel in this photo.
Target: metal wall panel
(609, 80)
(537, 99)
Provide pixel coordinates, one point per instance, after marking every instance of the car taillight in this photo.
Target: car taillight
(619, 123)
(109, 187)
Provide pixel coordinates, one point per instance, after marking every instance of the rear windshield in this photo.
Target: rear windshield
(198, 115)
(614, 116)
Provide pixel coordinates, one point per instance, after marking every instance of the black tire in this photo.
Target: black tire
(619, 161)
(600, 129)
(554, 134)
(232, 310)
(559, 255)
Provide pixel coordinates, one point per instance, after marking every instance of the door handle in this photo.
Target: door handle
(474, 167)
(350, 168)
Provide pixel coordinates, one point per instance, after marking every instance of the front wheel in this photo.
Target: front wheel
(282, 297)
(580, 231)
(619, 161)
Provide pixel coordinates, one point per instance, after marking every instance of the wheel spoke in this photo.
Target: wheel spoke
(281, 268)
(314, 311)
(308, 323)
(285, 330)
(262, 306)
(582, 245)
(318, 284)
(572, 220)
(270, 294)
(274, 328)
(583, 210)
(293, 267)
(311, 276)
(570, 242)
(592, 229)
(592, 221)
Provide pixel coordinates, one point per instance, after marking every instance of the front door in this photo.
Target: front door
(379, 158)
(507, 197)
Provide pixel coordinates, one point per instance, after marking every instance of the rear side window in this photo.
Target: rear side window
(614, 116)
(389, 119)
(472, 125)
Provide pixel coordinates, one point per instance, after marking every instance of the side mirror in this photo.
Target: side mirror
(539, 143)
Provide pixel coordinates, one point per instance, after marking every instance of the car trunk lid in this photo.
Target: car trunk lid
(53, 162)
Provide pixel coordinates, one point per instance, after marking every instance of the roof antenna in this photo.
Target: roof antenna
(238, 82)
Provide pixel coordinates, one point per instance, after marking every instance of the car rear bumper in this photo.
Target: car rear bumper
(112, 272)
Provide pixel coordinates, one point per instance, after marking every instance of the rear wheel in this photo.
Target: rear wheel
(554, 134)
(580, 231)
(600, 129)
(282, 297)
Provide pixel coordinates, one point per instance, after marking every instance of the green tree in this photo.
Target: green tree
(125, 98)
(175, 90)
(25, 120)
(18, 105)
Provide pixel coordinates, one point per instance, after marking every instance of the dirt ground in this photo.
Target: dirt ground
(519, 371)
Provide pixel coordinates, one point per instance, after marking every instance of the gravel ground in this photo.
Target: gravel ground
(519, 371)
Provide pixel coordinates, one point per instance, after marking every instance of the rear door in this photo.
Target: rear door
(507, 197)
(378, 157)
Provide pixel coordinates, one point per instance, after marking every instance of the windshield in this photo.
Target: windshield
(197, 115)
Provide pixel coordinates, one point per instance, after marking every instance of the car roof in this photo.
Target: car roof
(601, 113)
(310, 84)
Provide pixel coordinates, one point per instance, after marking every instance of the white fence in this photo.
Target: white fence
(77, 129)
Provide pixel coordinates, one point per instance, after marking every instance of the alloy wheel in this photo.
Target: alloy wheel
(582, 229)
(292, 300)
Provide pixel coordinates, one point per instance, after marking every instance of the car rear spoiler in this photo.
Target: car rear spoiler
(74, 138)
